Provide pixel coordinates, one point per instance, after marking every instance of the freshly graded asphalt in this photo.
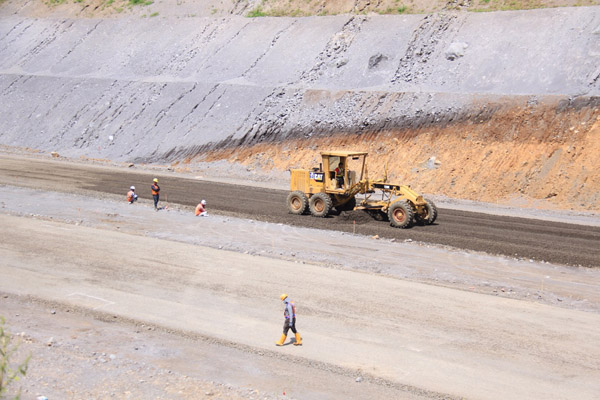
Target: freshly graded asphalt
(560, 243)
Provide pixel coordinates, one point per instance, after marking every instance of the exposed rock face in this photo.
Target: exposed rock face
(170, 89)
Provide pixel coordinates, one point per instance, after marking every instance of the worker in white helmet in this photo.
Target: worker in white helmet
(131, 195)
(201, 209)
(289, 314)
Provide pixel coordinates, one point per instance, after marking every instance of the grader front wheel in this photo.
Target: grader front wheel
(401, 215)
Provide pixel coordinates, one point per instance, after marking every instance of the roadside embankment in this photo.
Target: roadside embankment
(468, 105)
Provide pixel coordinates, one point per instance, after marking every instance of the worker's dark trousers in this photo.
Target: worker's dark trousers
(291, 326)
(155, 197)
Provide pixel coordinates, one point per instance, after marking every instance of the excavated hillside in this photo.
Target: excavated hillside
(499, 106)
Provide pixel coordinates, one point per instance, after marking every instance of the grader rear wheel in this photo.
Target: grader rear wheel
(400, 214)
(297, 202)
(320, 205)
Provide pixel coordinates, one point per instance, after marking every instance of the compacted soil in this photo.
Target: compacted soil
(117, 300)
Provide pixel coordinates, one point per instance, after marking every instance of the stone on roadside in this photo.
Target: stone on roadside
(455, 50)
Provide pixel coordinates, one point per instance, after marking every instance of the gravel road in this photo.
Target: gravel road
(562, 243)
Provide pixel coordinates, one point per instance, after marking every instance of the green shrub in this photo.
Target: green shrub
(257, 12)
(8, 373)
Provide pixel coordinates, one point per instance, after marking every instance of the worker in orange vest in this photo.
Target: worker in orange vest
(339, 176)
(290, 321)
(131, 196)
(201, 209)
(155, 193)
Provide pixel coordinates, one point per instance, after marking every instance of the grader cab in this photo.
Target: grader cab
(340, 177)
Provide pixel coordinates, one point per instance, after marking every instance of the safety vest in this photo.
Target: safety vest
(155, 189)
(286, 313)
(339, 173)
(130, 195)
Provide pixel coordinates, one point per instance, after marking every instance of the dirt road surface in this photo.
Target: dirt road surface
(562, 243)
(119, 300)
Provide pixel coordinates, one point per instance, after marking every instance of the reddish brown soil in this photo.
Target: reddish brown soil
(542, 155)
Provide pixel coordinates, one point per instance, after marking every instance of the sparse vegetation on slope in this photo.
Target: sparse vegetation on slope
(275, 8)
(294, 8)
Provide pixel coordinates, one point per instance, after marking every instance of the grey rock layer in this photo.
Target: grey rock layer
(166, 88)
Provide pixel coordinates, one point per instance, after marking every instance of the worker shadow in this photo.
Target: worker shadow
(291, 342)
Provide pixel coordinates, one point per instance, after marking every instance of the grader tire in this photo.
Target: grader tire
(297, 202)
(430, 213)
(401, 215)
(320, 205)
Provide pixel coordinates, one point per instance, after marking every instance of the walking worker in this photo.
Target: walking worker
(201, 209)
(155, 193)
(131, 195)
(290, 321)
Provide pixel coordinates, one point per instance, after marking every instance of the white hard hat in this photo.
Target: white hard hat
(203, 202)
(132, 188)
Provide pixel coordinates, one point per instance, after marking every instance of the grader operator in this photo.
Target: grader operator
(340, 177)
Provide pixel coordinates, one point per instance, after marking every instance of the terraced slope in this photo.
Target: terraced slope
(468, 105)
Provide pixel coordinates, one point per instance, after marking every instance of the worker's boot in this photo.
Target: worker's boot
(298, 341)
(281, 340)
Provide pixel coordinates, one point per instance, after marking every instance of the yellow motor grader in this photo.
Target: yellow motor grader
(340, 177)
